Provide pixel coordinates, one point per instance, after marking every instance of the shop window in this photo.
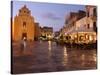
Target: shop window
(81, 38)
(87, 37)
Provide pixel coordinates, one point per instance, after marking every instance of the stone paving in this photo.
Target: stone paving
(47, 56)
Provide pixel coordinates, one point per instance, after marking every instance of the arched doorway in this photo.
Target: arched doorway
(24, 36)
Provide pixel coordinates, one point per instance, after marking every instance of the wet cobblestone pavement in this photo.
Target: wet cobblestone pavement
(46, 56)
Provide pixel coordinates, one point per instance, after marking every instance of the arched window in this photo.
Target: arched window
(24, 24)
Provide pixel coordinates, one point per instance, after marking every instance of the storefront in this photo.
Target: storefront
(84, 37)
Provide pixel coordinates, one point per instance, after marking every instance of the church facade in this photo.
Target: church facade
(23, 26)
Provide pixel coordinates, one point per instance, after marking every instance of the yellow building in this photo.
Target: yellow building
(23, 25)
(47, 32)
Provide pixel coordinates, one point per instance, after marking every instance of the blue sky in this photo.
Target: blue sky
(48, 14)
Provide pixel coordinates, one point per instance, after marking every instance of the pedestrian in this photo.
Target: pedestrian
(22, 46)
(25, 42)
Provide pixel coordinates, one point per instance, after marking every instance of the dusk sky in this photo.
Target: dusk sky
(48, 14)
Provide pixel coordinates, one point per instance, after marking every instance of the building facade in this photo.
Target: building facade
(47, 32)
(82, 26)
(23, 25)
(37, 31)
(86, 27)
(92, 17)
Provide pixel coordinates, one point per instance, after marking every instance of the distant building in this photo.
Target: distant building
(37, 31)
(23, 25)
(86, 27)
(57, 33)
(81, 14)
(81, 26)
(73, 16)
(47, 32)
(71, 19)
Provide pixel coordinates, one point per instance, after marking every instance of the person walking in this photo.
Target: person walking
(22, 46)
(24, 43)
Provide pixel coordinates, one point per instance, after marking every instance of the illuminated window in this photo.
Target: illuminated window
(90, 38)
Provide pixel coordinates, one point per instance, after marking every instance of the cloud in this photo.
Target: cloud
(51, 16)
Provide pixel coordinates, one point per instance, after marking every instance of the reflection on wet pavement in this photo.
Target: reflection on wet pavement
(48, 57)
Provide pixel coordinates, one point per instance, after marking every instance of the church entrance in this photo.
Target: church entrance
(24, 36)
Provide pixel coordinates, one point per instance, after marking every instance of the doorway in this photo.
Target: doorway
(24, 36)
